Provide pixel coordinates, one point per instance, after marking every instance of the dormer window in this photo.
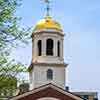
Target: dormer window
(49, 47)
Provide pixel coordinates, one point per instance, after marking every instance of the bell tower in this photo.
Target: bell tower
(47, 54)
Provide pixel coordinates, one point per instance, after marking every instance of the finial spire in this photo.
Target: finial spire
(47, 7)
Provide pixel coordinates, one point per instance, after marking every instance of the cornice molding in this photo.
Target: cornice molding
(51, 31)
(47, 64)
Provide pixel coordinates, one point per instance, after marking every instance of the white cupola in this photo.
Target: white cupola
(47, 54)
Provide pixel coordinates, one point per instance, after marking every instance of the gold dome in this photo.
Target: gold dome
(47, 22)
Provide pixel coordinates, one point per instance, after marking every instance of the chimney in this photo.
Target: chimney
(23, 88)
(67, 88)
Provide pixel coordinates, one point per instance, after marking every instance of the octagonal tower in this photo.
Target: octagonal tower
(47, 54)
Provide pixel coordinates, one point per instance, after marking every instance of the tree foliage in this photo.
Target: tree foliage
(10, 35)
(9, 71)
(10, 31)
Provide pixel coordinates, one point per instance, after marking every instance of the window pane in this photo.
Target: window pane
(49, 74)
(58, 48)
(49, 47)
(39, 48)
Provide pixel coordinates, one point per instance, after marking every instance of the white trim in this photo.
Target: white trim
(48, 30)
(48, 98)
(46, 86)
(66, 93)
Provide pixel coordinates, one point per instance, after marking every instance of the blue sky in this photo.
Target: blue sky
(80, 20)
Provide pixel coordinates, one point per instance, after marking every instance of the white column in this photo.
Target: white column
(43, 46)
(35, 48)
(55, 47)
(61, 48)
(32, 48)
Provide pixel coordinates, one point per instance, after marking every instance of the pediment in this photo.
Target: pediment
(47, 92)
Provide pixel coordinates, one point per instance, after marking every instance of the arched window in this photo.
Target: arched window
(58, 49)
(39, 47)
(49, 47)
(50, 74)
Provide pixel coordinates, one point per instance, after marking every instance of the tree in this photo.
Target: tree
(10, 35)
(9, 71)
(10, 31)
